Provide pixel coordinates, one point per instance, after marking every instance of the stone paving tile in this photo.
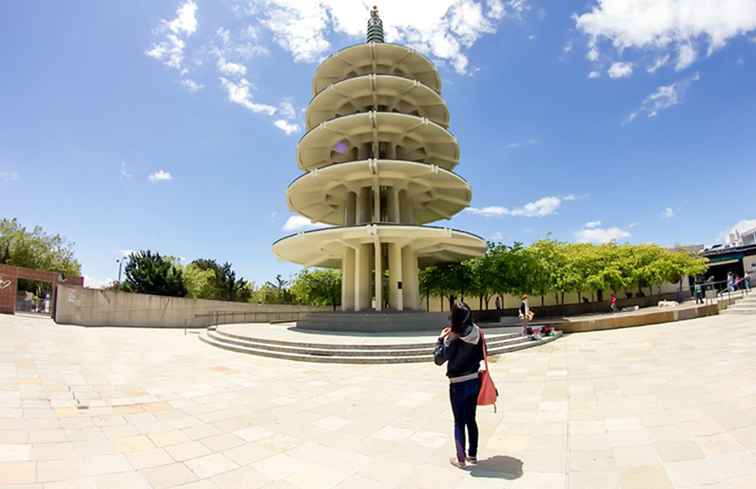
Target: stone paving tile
(15, 452)
(211, 465)
(185, 451)
(647, 408)
(17, 472)
(168, 475)
(151, 457)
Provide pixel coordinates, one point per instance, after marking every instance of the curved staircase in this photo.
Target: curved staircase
(413, 350)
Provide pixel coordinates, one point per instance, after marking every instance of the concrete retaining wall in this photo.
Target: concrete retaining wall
(640, 318)
(94, 307)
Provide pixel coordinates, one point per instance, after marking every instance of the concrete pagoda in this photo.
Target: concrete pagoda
(379, 162)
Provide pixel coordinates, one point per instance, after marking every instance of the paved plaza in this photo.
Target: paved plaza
(667, 406)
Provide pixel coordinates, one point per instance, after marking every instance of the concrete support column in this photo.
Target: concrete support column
(363, 206)
(395, 277)
(394, 205)
(347, 280)
(405, 212)
(376, 202)
(378, 276)
(350, 209)
(411, 293)
(362, 278)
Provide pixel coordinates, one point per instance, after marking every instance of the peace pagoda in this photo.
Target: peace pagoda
(378, 162)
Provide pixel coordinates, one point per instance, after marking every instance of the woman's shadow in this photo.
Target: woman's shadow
(498, 467)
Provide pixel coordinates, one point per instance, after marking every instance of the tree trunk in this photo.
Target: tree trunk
(541, 300)
(480, 302)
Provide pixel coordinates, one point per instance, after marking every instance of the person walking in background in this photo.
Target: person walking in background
(730, 282)
(526, 315)
(460, 346)
(698, 292)
(747, 279)
(613, 303)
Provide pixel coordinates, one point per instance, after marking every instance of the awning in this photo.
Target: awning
(723, 262)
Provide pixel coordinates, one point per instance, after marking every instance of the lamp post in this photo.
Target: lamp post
(120, 264)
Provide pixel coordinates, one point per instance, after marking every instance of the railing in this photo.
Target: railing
(215, 318)
(712, 290)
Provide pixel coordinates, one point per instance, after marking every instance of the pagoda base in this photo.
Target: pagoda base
(374, 321)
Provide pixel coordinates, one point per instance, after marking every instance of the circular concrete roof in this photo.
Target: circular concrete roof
(386, 92)
(325, 247)
(435, 193)
(339, 140)
(378, 58)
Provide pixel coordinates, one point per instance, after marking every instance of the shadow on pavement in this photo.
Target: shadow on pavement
(498, 467)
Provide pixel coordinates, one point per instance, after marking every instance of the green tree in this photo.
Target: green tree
(150, 273)
(200, 283)
(317, 287)
(274, 293)
(206, 279)
(36, 249)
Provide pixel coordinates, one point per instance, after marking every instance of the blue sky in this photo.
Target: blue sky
(172, 125)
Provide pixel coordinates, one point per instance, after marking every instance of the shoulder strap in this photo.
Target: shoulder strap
(485, 347)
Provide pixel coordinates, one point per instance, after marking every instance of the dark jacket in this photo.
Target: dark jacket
(463, 354)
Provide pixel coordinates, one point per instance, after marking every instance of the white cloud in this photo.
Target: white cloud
(169, 50)
(286, 109)
(160, 176)
(520, 144)
(620, 70)
(594, 74)
(658, 63)
(545, 206)
(567, 48)
(601, 235)
(686, 55)
(663, 98)
(240, 93)
(95, 283)
(297, 223)
(633, 225)
(8, 176)
(592, 224)
(125, 175)
(125, 253)
(668, 213)
(192, 85)
(286, 126)
(679, 28)
(444, 29)
(231, 69)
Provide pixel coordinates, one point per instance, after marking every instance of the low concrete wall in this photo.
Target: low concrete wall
(94, 307)
(577, 309)
(639, 318)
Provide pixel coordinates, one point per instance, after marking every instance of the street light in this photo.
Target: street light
(120, 263)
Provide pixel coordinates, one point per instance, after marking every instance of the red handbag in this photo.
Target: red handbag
(488, 393)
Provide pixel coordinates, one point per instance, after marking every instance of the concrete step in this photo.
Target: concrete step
(492, 339)
(740, 310)
(323, 349)
(374, 355)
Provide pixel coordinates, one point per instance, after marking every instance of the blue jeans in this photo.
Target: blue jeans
(464, 401)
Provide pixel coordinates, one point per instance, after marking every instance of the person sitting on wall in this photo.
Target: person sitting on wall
(613, 303)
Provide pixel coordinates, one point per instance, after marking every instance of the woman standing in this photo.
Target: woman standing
(526, 315)
(460, 346)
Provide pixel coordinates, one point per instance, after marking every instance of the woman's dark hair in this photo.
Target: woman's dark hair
(458, 318)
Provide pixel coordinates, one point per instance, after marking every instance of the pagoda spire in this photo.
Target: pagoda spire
(375, 26)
